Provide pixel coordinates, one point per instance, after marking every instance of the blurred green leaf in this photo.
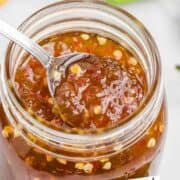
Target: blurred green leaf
(178, 67)
(114, 2)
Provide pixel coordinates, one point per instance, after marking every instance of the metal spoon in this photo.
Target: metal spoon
(55, 66)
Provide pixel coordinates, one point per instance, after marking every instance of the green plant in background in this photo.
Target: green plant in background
(115, 2)
(178, 67)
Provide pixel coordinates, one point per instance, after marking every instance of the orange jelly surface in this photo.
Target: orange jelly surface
(98, 92)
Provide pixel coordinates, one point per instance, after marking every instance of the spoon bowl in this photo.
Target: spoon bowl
(57, 68)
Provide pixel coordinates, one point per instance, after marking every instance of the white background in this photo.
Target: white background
(166, 32)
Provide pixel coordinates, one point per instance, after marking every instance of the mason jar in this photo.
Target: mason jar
(131, 150)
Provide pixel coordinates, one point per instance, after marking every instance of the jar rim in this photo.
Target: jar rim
(153, 96)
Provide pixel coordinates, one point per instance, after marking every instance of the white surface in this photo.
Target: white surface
(165, 32)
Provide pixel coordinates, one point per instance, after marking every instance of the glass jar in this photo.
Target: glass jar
(128, 151)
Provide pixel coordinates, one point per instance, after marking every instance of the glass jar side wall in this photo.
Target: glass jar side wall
(140, 160)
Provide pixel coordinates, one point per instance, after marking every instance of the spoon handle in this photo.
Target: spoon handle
(25, 42)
